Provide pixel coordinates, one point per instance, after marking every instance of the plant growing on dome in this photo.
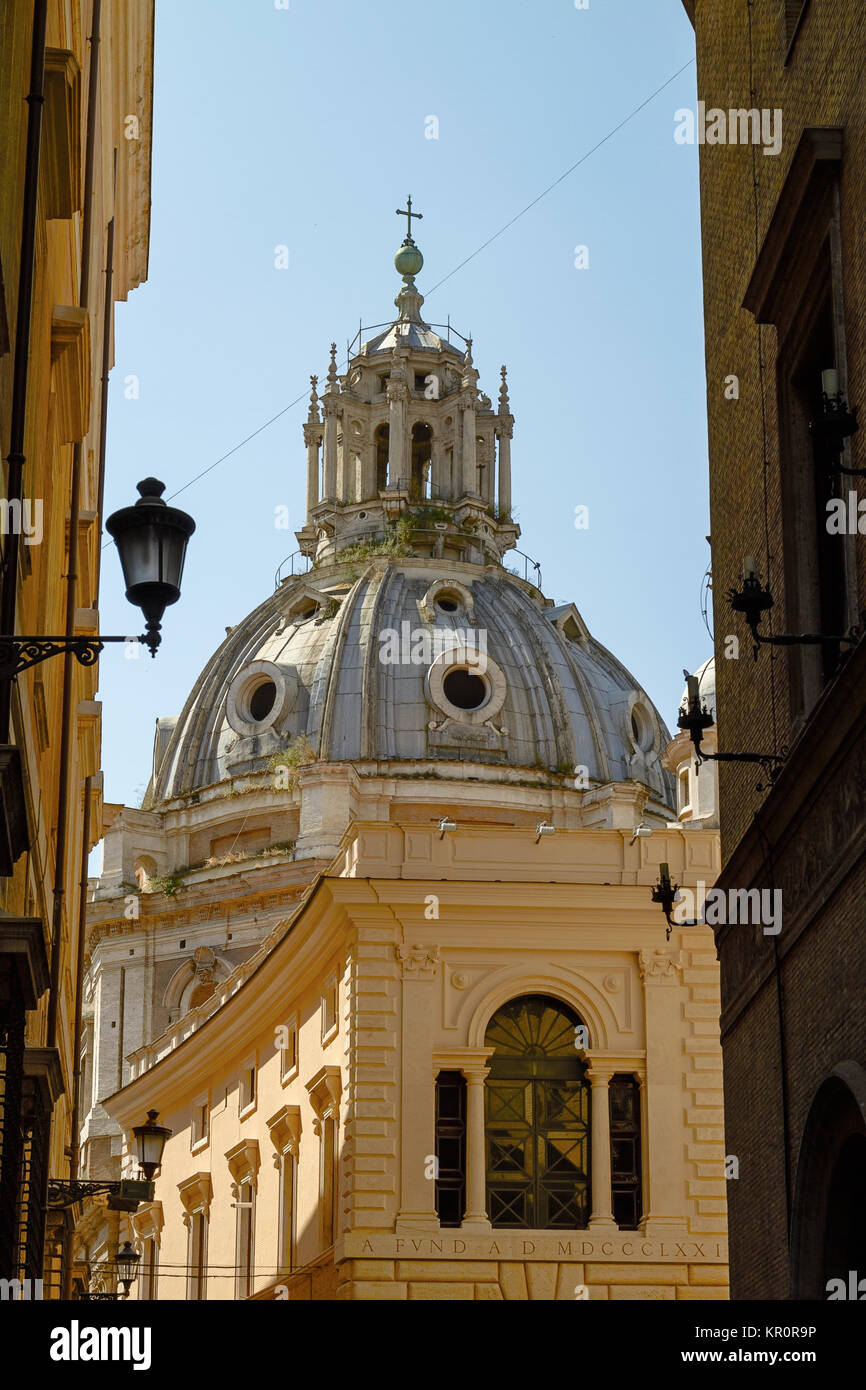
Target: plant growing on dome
(420, 516)
(397, 542)
(291, 759)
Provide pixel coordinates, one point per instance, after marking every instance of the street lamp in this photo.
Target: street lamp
(124, 1194)
(151, 539)
(150, 1141)
(127, 1266)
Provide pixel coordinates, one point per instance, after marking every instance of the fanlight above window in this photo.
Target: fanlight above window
(537, 1117)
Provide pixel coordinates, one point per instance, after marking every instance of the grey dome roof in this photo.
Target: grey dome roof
(419, 337)
(556, 699)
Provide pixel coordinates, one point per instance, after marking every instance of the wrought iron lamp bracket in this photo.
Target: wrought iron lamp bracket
(17, 653)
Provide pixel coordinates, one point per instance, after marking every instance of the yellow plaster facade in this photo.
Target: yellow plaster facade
(387, 975)
(68, 357)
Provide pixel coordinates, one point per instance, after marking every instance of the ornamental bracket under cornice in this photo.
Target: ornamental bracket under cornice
(660, 967)
(418, 962)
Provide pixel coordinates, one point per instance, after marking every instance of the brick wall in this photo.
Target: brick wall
(821, 85)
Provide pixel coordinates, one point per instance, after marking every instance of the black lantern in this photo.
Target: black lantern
(150, 1141)
(666, 893)
(127, 1266)
(833, 425)
(151, 539)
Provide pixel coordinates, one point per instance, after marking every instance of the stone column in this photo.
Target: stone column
(312, 439)
(329, 484)
(368, 471)
(602, 1202)
(475, 1217)
(342, 489)
(438, 485)
(470, 464)
(504, 433)
(397, 465)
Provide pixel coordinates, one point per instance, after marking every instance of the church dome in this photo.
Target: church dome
(412, 661)
(409, 642)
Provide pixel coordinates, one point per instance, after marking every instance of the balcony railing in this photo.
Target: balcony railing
(353, 346)
(295, 564)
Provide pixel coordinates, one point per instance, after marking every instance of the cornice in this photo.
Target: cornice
(256, 991)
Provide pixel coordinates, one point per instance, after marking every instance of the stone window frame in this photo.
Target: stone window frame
(284, 1129)
(249, 1067)
(244, 1161)
(247, 680)
(201, 1102)
(148, 1223)
(793, 14)
(196, 1195)
(324, 1091)
(805, 228)
(684, 803)
(458, 658)
(330, 992)
(441, 587)
(290, 1073)
(650, 741)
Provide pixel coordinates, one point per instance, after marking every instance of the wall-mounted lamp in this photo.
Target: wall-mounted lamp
(446, 823)
(124, 1194)
(833, 426)
(753, 601)
(544, 827)
(695, 717)
(665, 893)
(640, 831)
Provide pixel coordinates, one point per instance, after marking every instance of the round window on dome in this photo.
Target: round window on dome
(465, 689)
(260, 700)
(641, 728)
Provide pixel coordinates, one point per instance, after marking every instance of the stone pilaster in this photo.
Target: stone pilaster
(664, 1201)
(419, 969)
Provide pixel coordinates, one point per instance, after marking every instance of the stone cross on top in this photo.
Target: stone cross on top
(409, 214)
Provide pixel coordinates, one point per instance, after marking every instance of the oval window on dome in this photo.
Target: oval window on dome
(261, 700)
(641, 728)
(465, 688)
(466, 684)
(258, 697)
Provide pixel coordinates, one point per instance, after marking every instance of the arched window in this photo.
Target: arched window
(422, 445)
(382, 439)
(828, 1226)
(537, 1117)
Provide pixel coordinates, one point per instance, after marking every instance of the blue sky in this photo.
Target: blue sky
(306, 128)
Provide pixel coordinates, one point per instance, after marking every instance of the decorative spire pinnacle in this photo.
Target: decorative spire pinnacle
(313, 416)
(409, 263)
(470, 374)
(332, 388)
(504, 403)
